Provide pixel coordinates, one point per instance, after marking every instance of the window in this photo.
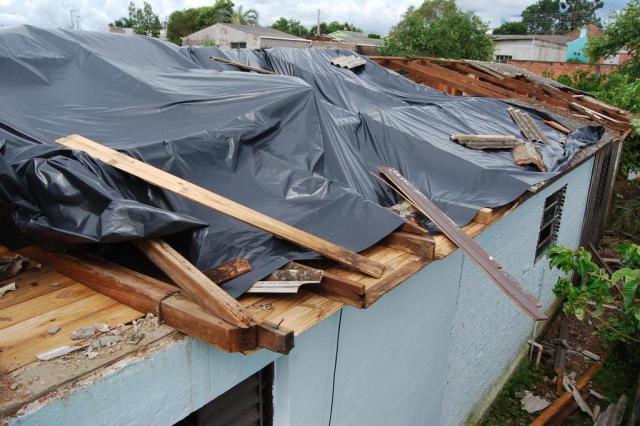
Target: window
(249, 403)
(503, 58)
(550, 221)
(238, 45)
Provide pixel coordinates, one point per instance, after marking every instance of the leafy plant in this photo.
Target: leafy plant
(439, 28)
(593, 288)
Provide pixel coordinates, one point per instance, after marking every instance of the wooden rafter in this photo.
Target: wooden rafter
(221, 204)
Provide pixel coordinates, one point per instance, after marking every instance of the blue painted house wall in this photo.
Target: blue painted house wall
(429, 352)
(575, 48)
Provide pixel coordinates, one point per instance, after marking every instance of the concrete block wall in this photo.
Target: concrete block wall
(489, 331)
(428, 352)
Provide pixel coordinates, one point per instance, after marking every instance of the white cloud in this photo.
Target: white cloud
(371, 15)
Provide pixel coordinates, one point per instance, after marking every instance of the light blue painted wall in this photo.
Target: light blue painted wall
(304, 378)
(392, 358)
(489, 330)
(158, 390)
(424, 354)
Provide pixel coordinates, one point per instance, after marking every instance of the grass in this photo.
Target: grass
(506, 410)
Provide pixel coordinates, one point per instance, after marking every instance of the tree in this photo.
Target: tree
(587, 288)
(123, 22)
(184, 22)
(144, 21)
(511, 28)
(221, 11)
(545, 17)
(290, 26)
(373, 35)
(244, 17)
(623, 32)
(439, 28)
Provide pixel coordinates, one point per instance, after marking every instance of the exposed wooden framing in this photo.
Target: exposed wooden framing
(196, 284)
(228, 271)
(180, 312)
(136, 290)
(420, 245)
(147, 294)
(221, 204)
(484, 216)
(522, 298)
(412, 227)
(468, 78)
(241, 66)
(557, 126)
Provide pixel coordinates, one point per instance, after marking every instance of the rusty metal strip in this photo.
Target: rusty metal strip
(526, 301)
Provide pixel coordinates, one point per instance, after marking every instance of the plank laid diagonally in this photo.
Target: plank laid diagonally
(526, 301)
(207, 198)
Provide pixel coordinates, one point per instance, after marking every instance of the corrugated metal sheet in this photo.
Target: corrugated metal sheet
(348, 62)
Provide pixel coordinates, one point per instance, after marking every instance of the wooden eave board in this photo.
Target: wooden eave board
(297, 312)
(36, 305)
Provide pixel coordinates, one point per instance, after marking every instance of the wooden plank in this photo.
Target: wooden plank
(244, 67)
(87, 312)
(505, 282)
(33, 307)
(296, 312)
(189, 278)
(412, 227)
(136, 290)
(150, 295)
(228, 271)
(275, 338)
(215, 300)
(484, 216)
(190, 318)
(555, 125)
(32, 284)
(420, 245)
(221, 204)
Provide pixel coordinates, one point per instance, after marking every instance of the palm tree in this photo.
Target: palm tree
(242, 17)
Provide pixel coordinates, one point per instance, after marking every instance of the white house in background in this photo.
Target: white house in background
(129, 31)
(243, 36)
(532, 47)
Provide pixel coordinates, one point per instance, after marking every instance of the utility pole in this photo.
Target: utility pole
(318, 27)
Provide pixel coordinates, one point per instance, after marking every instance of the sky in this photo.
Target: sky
(374, 16)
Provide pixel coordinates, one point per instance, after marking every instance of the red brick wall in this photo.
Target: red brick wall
(557, 68)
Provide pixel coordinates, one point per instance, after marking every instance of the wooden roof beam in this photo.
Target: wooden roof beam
(210, 199)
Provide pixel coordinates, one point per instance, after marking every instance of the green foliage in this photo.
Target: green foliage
(184, 22)
(439, 28)
(206, 16)
(123, 22)
(622, 33)
(507, 409)
(594, 286)
(244, 17)
(144, 21)
(376, 36)
(290, 26)
(511, 28)
(544, 16)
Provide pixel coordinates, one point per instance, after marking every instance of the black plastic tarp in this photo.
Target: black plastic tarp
(298, 145)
